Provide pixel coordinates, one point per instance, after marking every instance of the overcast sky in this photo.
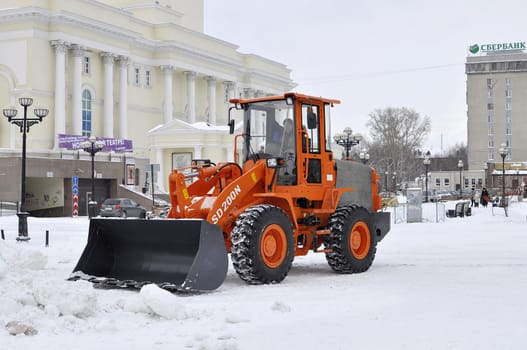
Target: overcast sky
(373, 54)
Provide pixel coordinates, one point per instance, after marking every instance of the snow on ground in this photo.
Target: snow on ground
(457, 284)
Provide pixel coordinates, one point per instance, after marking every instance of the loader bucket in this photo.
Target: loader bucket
(182, 254)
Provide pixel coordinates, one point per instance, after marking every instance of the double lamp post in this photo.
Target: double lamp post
(426, 162)
(92, 146)
(347, 140)
(24, 124)
(503, 154)
(460, 167)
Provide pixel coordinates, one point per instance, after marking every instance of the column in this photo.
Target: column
(211, 81)
(168, 110)
(230, 154)
(191, 96)
(123, 97)
(197, 152)
(108, 59)
(76, 113)
(60, 88)
(161, 175)
(229, 90)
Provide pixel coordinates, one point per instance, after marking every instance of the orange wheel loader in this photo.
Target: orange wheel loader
(287, 197)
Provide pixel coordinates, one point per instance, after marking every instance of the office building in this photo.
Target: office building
(497, 111)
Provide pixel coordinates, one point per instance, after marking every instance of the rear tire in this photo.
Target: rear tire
(352, 244)
(263, 247)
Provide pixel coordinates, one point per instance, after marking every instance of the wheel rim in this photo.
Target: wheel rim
(360, 240)
(273, 246)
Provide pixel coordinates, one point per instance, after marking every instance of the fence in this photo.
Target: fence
(431, 212)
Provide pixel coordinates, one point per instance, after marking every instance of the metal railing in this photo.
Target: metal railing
(431, 212)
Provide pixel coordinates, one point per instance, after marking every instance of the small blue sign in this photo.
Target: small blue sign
(75, 180)
(75, 190)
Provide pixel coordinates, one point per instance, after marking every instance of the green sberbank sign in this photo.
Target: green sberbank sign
(483, 48)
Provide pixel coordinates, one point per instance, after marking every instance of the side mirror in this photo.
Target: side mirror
(230, 122)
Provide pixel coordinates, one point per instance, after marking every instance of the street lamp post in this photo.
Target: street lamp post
(24, 124)
(460, 166)
(386, 181)
(364, 157)
(503, 154)
(485, 168)
(426, 162)
(92, 147)
(347, 140)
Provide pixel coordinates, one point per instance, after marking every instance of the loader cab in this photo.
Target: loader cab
(291, 127)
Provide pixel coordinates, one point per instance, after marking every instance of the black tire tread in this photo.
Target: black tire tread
(340, 258)
(245, 239)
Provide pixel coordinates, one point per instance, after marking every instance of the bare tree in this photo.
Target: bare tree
(396, 135)
(457, 151)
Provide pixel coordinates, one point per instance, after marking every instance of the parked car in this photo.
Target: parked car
(122, 207)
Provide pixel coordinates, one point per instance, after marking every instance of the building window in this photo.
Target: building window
(438, 182)
(148, 78)
(446, 181)
(86, 65)
(86, 112)
(508, 106)
(490, 106)
(137, 76)
(491, 154)
(489, 83)
(508, 82)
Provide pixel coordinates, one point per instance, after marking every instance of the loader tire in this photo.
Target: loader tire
(351, 244)
(262, 249)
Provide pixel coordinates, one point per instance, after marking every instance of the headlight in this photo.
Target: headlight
(275, 162)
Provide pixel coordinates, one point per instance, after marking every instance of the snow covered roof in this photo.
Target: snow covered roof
(177, 126)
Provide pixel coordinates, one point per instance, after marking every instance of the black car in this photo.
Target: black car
(122, 207)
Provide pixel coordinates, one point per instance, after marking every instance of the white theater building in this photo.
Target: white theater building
(143, 71)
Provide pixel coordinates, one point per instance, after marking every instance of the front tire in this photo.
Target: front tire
(351, 242)
(262, 249)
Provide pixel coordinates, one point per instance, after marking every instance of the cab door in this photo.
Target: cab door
(311, 143)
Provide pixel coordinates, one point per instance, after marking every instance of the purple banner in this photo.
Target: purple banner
(73, 142)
